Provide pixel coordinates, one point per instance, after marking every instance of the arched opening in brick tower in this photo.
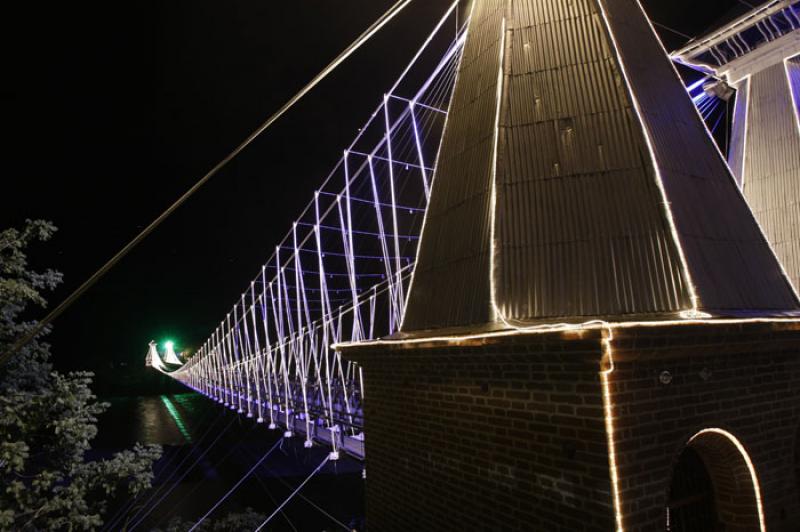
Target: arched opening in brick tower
(691, 495)
(714, 487)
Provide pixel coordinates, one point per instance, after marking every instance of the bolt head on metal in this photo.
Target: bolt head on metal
(665, 377)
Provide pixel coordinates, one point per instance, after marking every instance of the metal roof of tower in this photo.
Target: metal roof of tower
(576, 181)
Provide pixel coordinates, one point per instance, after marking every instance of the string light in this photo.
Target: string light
(498, 313)
(695, 302)
(608, 416)
(750, 468)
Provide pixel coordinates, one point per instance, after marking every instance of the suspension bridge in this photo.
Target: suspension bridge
(537, 242)
(342, 272)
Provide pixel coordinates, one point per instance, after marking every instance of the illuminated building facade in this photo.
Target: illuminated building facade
(598, 335)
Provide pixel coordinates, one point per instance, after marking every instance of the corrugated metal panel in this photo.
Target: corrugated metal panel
(580, 229)
(451, 280)
(772, 165)
(729, 260)
(739, 130)
(593, 197)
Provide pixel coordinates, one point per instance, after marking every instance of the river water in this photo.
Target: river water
(208, 449)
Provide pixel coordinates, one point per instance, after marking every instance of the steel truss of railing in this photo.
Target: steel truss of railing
(342, 271)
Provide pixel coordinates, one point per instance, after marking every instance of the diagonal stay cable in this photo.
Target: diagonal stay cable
(230, 491)
(309, 501)
(150, 506)
(215, 466)
(314, 505)
(127, 507)
(74, 296)
(272, 499)
(291, 495)
(166, 484)
(673, 30)
(193, 452)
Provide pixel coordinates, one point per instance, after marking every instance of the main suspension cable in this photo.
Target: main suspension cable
(360, 41)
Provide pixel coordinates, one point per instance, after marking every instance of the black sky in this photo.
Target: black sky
(110, 111)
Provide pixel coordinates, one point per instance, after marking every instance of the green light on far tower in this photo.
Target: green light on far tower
(169, 344)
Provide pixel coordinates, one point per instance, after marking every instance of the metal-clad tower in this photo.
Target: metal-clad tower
(576, 180)
(593, 338)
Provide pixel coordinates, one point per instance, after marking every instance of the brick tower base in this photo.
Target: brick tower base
(582, 430)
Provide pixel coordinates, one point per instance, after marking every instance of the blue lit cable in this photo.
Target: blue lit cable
(224, 497)
(175, 484)
(291, 495)
(119, 514)
(215, 466)
(309, 501)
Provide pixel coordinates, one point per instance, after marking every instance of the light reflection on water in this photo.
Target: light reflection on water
(164, 420)
(208, 449)
(176, 417)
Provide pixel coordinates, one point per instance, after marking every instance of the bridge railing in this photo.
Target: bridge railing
(342, 271)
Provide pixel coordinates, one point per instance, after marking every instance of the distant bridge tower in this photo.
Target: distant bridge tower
(757, 55)
(596, 335)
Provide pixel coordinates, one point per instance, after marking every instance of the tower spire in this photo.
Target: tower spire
(576, 181)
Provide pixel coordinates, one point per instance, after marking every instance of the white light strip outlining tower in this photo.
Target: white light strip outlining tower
(584, 235)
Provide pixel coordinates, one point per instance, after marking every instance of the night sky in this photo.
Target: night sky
(111, 111)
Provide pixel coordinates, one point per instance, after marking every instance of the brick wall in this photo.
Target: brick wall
(744, 379)
(508, 433)
(499, 436)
